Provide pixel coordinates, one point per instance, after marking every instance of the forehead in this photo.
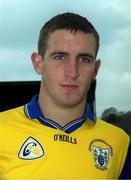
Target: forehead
(67, 40)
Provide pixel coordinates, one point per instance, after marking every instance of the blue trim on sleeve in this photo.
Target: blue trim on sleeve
(126, 172)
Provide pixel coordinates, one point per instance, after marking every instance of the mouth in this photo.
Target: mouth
(69, 86)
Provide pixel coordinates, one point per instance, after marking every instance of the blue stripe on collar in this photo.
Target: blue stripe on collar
(72, 126)
(68, 128)
(33, 111)
(49, 123)
(88, 114)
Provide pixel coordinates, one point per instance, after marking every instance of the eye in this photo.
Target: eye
(85, 59)
(59, 57)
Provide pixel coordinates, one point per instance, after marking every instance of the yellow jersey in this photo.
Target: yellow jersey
(33, 147)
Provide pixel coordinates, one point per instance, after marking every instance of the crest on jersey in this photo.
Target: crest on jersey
(101, 152)
(101, 157)
(31, 149)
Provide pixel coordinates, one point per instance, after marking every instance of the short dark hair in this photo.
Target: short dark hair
(67, 21)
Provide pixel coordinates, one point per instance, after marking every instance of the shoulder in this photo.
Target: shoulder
(101, 123)
(11, 111)
(112, 131)
(12, 114)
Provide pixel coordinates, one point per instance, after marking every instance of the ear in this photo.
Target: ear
(97, 66)
(37, 62)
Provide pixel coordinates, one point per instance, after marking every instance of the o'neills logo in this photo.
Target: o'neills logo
(65, 138)
(101, 152)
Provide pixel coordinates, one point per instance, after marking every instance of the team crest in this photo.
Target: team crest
(31, 149)
(102, 153)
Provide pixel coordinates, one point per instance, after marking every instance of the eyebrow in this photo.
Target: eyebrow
(58, 52)
(87, 54)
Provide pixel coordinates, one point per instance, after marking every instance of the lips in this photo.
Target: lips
(70, 86)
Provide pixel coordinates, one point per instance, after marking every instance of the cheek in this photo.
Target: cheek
(86, 78)
(51, 72)
(87, 74)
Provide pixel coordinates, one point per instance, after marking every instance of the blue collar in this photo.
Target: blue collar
(33, 111)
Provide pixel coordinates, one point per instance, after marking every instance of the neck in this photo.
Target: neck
(59, 114)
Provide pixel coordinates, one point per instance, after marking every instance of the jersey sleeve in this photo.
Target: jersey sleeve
(126, 171)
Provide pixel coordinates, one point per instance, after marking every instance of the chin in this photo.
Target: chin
(70, 102)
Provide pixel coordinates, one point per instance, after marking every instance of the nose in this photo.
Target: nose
(71, 69)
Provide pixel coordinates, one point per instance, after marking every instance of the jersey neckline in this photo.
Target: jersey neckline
(33, 111)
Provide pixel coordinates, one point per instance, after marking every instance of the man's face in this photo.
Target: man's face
(68, 67)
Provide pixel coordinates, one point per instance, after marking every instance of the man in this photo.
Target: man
(56, 136)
